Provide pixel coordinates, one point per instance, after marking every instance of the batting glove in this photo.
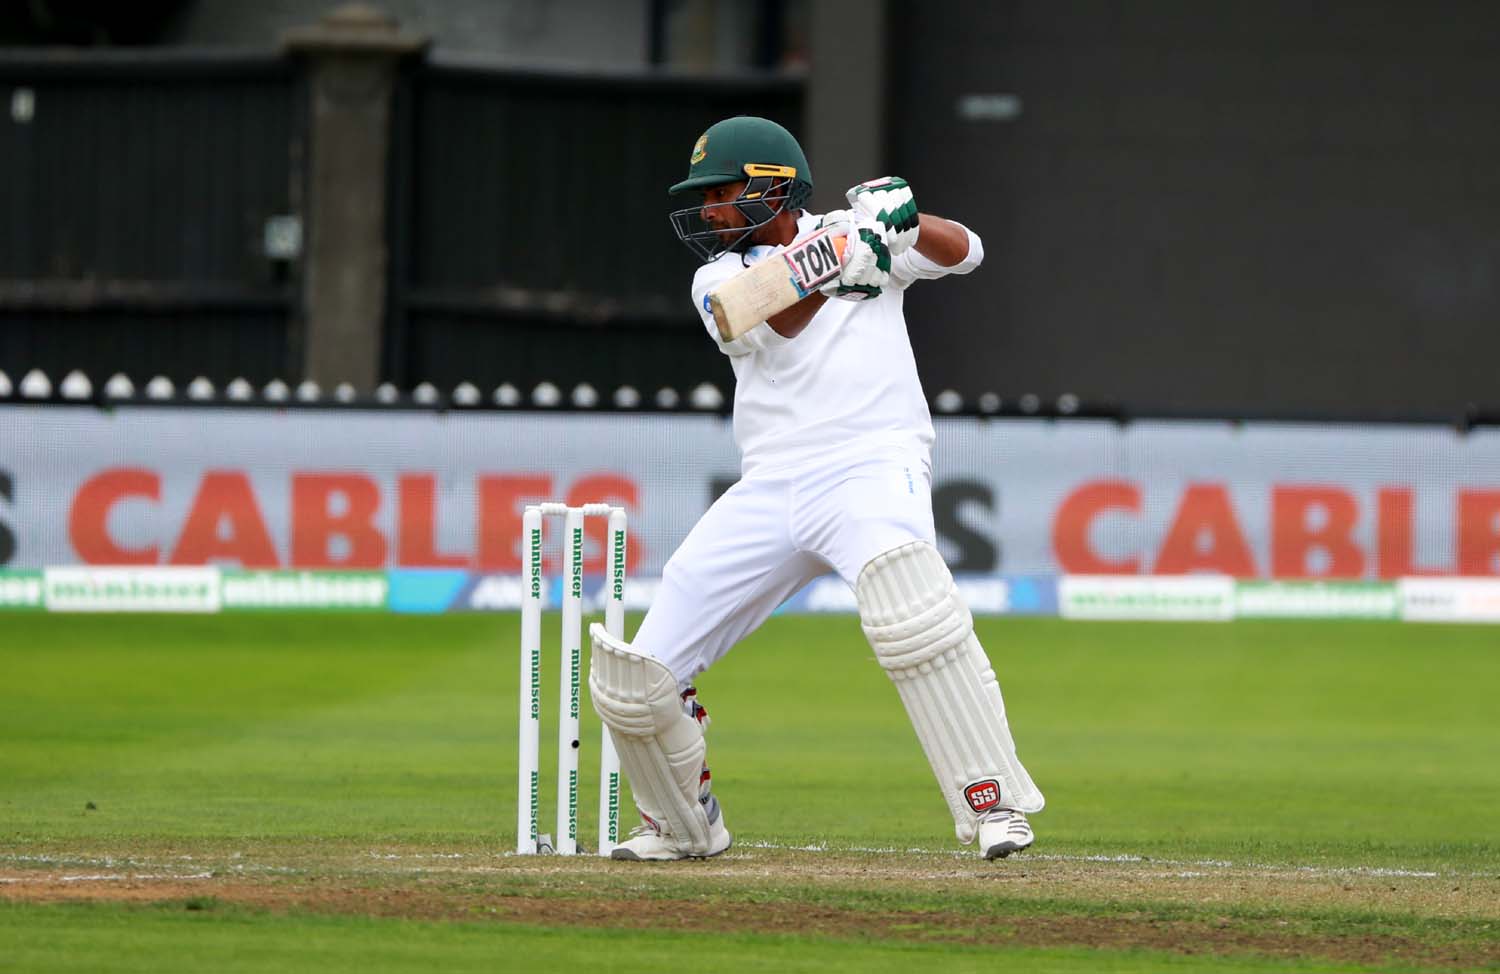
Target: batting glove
(847, 217)
(867, 265)
(889, 202)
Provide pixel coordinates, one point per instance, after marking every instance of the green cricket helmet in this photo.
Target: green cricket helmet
(744, 148)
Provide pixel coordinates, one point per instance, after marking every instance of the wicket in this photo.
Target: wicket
(528, 785)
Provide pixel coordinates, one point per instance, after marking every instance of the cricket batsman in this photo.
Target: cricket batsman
(836, 440)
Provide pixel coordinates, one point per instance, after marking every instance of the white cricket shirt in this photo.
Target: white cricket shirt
(845, 388)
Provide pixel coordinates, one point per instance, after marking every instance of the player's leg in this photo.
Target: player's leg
(661, 750)
(875, 526)
(923, 635)
(735, 567)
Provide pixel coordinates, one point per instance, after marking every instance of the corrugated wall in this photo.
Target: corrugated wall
(136, 190)
(531, 238)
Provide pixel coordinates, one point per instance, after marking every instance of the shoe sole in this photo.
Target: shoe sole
(1001, 850)
(622, 854)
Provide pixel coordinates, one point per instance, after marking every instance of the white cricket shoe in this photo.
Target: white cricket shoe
(647, 844)
(1004, 831)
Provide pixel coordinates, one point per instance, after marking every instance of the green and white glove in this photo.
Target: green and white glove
(867, 264)
(889, 202)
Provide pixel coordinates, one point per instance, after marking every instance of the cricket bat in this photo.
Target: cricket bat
(777, 283)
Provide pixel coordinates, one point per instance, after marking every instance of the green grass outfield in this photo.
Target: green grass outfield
(260, 789)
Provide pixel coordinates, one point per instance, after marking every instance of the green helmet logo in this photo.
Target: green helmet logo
(756, 151)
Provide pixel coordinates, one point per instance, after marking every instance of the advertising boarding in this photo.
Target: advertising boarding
(270, 495)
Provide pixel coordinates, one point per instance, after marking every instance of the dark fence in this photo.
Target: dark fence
(1188, 210)
(136, 189)
(530, 237)
(528, 220)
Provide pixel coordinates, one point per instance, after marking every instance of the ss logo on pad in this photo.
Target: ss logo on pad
(983, 795)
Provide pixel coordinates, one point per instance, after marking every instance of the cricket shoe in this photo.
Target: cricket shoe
(648, 844)
(1004, 831)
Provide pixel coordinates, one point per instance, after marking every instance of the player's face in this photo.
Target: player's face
(725, 220)
(718, 210)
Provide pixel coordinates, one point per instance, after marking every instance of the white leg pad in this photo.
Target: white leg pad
(923, 635)
(661, 748)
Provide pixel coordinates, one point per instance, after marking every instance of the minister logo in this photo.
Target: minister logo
(617, 584)
(574, 660)
(145, 589)
(20, 589)
(535, 801)
(614, 805)
(576, 582)
(535, 542)
(536, 689)
(273, 590)
(983, 795)
(572, 803)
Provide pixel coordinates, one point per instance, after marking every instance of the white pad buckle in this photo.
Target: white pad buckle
(923, 635)
(661, 748)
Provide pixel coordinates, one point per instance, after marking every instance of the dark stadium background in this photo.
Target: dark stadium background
(1270, 209)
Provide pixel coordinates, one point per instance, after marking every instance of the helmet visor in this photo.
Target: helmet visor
(708, 240)
(759, 203)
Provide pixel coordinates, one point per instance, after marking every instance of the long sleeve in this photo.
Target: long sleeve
(909, 267)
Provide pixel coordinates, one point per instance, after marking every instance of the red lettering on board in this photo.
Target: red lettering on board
(315, 524)
(225, 500)
(1205, 536)
(1479, 532)
(1294, 536)
(606, 488)
(501, 498)
(1075, 516)
(88, 518)
(416, 532)
(1394, 534)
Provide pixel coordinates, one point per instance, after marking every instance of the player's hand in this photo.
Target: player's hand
(867, 265)
(889, 202)
(846, 217)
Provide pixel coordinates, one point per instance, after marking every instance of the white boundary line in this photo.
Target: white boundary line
(104, 877)
(1188, 868)
(1215, 864)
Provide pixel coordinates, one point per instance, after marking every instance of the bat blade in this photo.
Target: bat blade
(777, 283)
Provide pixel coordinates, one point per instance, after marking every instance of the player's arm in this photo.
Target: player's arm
(789, 323)
(945, 247)
(941, 241)
(786, 290)
(866, 265)
(780, 326)
(922, 246)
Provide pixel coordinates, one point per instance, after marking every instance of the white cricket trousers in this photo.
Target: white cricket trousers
(771, 534)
